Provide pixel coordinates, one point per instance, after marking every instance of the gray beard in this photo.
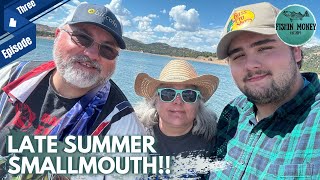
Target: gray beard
(78, 77)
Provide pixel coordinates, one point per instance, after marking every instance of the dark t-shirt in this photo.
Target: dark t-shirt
(43, 109)
(187, 145)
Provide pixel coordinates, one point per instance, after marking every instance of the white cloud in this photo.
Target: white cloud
(201, 40)
(152, 16)
(163, 39)
(77, 2)
(185, 31)
(68, 7)
(144, 22)
(58, 16)
(163, 11)
(185, 20)
(146, 37)
(214, 47)
(122, 13)
(313, 42)
(160, 28)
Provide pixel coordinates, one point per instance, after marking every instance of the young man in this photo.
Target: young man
(273, 130)
(72, 95)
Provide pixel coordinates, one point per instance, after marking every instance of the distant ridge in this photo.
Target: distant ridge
(311, 55)
(45, 31)
(164, 49)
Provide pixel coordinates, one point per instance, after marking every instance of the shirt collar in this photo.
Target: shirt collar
(304, 98)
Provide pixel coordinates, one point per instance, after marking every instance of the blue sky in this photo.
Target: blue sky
(194, 24)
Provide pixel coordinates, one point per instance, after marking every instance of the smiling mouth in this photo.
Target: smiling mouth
(256, 78)
(87, 65)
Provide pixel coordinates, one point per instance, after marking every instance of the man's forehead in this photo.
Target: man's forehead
(89, 27)
(250, 38)
(92, 29)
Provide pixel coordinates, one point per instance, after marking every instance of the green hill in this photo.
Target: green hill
(164, 49)
(311, 59)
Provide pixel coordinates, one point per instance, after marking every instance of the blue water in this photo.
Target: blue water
(131, 63)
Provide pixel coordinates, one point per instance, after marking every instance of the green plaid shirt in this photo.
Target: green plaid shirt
(285, 145)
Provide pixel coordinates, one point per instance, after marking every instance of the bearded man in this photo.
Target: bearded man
(73, 94)
(273, 130)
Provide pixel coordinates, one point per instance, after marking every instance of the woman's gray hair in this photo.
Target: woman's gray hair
(204, 125)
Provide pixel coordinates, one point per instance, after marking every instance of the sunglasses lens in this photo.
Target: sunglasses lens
(108, 52)
(104, 50)
(189, 95)
(82, 39)
(167, 95)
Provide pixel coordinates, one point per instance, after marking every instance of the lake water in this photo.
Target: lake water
(131, 63)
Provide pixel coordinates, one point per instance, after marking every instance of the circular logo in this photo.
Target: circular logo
(240, 19)
(295, 25)
(91, 11)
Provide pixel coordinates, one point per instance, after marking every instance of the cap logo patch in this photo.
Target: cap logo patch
(240, 19)
(295, 25)
(91, 11)
(103, 15)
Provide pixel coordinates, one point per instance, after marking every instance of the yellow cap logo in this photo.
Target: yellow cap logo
(91, 11)
(240, 19)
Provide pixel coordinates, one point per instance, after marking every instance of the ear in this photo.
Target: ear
(296, 52)
(56, 33)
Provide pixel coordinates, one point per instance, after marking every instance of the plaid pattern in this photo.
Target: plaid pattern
(285, 145)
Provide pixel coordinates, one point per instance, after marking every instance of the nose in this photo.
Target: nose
(178, 99)
(252, 62)
(92, 51)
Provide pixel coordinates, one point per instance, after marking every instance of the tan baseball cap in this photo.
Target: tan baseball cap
(258, 18)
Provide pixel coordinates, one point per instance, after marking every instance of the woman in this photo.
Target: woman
(174, 111)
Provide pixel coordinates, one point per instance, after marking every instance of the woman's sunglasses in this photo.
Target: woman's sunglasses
(82, 39)
(170, 94)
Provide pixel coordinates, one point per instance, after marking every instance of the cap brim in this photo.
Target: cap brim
(119, 39)
(223, 46)
(146, 86)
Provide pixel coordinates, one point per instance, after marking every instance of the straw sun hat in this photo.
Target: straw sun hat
(176, 72)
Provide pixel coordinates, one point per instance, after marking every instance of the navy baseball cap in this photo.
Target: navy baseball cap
(98, 15)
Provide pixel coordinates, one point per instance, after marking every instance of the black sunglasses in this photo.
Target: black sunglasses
(82, 39)
(170, 94)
